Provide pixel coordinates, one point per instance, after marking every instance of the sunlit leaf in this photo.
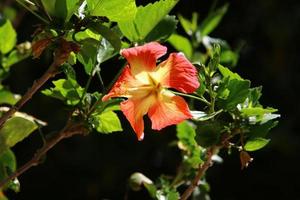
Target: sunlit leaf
(189, 26)
(6, 97)
(146, 19)
(14, 57)
(116, 10)
(88, 34)
(67, 90)
(108, 122)
(17, 128)
(212, 21)
(227, 73)
(8, 36)
(256, 144)
(62, 9)
(182, 44)
(229, 57)
(186, 135)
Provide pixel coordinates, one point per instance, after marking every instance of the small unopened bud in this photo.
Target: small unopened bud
(245, 159)
(137, 180)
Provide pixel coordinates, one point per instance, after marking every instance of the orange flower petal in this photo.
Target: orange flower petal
(130, 87)
(134, 110)
(178, 73)
(118, 88)
(169, 110)
(143, 58)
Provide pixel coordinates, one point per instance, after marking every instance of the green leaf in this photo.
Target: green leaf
(92, 55)
(254, 96)
(62, 9)
(88, 35)
(69, 71)
(8, 165)
(16, 129)
(146, 19)
(106, 51)
(6, 97)
(212, 20)
(169, 194)
(229, 57)
(189, 26)
(88, 56)
(67, 90)
(215, 57)
(8, 36)
(186, 135)
(232, 92)
(202, 80)
(108, 34)
(182, 44)
(163, 29)
(226, 73)
(151, 188)
(72, 59)
(108, 122)
(114, 10)
(14, 57)
(256, 144)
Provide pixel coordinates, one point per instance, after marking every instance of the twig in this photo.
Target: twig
(201, 171)
(33, 12)
(51, 72)
(69, 130)
(192, 96)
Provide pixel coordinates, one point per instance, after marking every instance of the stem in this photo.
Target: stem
(212, 98)
(101, 80)
(69, 130)
(51, 72)
(34, 13)
(192, 96)
(87, 85)
(107, 89)
(201, 171)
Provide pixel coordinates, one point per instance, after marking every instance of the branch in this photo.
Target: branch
(69, 130)
(51, 72)
(201, 171)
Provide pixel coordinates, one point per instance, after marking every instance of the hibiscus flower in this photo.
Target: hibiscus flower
(145, 86)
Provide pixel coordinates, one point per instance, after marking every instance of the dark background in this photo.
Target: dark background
(98, 166)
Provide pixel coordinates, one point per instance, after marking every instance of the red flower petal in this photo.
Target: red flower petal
(178, 73)
(169, 110)
(134, 110)
(143, 58)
